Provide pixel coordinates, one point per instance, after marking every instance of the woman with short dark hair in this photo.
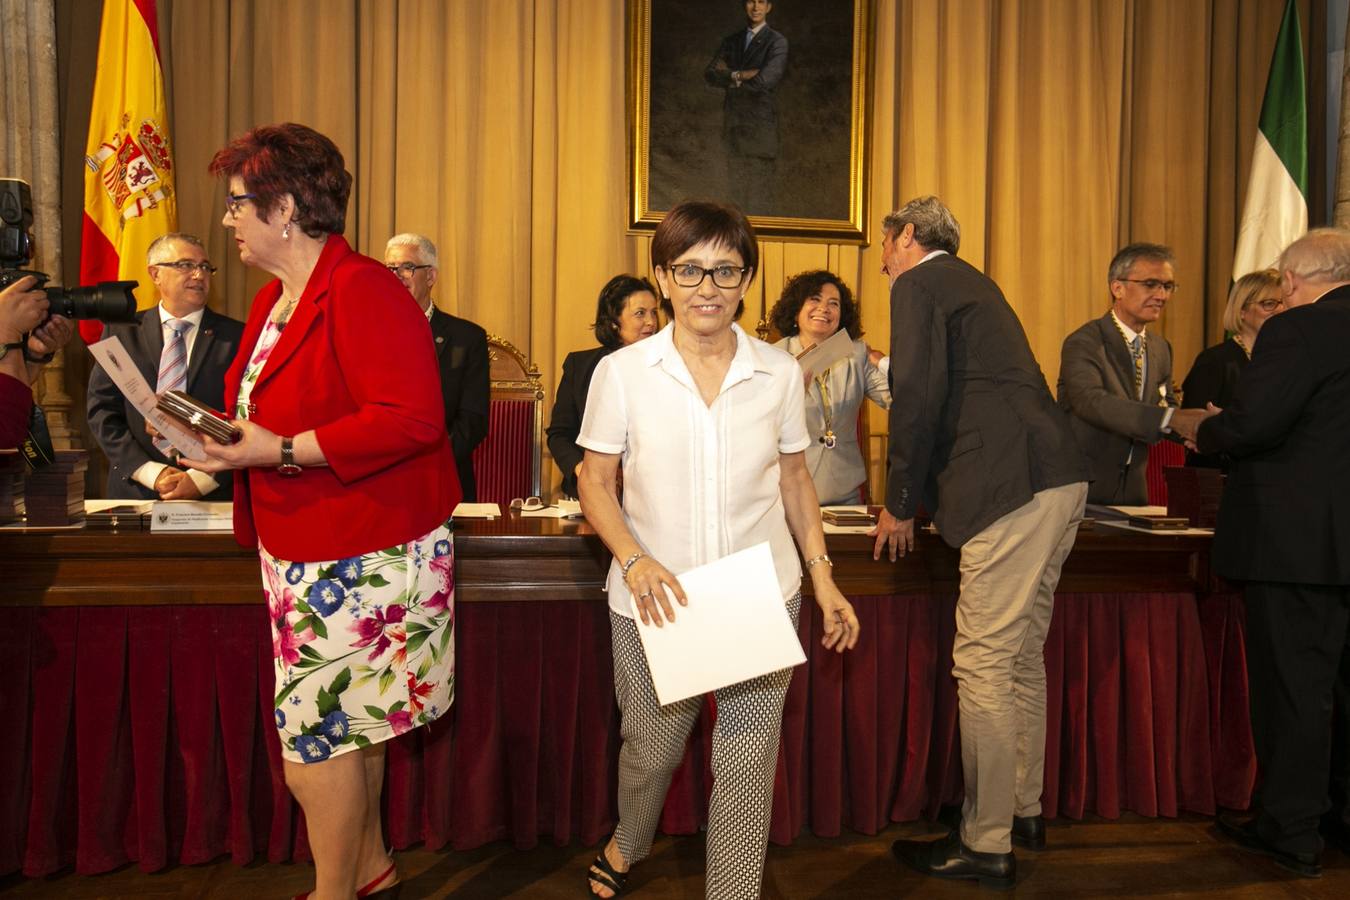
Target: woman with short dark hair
(814, 306)
(624, 314)
(345, 483)
(708, 425)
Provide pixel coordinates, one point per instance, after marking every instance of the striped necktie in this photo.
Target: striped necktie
(172, 366)
(1137, 354)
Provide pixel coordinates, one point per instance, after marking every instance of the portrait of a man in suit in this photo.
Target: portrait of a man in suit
(748, 66)
(750, 101)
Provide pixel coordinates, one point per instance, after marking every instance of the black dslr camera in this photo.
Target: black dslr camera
(107, 301)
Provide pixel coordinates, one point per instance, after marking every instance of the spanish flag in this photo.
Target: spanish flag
(128, 180)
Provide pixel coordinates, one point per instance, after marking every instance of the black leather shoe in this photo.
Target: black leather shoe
(1309, 865)
(949, 858)
(1028, 832)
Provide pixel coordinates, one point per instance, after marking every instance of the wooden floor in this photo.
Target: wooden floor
(1131, 857)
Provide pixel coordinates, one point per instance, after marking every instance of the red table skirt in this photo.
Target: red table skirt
(144, 733)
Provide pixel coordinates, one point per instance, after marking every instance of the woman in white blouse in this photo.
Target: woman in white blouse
(709, 426)
(814, 306)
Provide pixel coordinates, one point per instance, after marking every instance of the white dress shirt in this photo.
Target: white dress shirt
(699, 482)
(147, 473)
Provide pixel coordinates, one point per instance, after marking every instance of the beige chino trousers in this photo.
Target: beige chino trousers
(1009, 573)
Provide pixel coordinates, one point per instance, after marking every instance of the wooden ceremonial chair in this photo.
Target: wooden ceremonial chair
(507, 463)
(1160, 456)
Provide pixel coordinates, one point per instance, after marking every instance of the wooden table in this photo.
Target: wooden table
(525, 559)
(136, 688)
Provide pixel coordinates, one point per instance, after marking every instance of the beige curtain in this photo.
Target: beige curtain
(29, 150)
(1057, 131)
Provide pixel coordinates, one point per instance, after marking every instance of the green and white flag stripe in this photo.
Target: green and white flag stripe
(1276, 211)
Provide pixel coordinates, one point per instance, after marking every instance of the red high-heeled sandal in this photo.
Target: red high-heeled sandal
(369, 887)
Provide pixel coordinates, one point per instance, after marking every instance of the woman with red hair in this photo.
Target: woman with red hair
(346, 484)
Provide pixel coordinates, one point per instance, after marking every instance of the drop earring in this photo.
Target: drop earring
(286, 232)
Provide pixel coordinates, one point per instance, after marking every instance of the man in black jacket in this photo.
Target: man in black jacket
(179, 344)
(1284, 529)
(461, 348)
(976, 436)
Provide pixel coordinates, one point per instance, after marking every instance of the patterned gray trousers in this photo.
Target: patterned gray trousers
(744, 759)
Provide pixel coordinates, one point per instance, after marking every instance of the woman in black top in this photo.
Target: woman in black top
(1214, 375)
(624, 314)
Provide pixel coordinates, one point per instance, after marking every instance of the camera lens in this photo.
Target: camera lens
(107, 301)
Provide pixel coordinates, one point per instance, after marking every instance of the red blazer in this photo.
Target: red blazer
(355, 363)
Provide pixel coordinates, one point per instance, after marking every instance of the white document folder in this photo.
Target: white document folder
(736, 627)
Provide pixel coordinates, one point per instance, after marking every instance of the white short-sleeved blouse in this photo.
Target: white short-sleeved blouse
(699, 482)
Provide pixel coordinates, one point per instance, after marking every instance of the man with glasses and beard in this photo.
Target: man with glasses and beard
(1115, 377)
(179, 344)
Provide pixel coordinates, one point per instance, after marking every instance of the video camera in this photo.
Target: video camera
(107, 301)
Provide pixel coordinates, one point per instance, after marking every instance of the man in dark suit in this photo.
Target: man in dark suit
(461, 348)
(179, 344)
(976, 436)
(1115, 378)
(1284, 529)
(748, 65)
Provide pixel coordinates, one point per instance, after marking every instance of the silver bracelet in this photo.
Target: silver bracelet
(822, 558)
(629, 563)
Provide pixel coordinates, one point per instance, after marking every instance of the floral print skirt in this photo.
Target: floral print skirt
(364, 646)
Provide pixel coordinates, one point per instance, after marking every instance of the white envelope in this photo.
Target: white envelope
(736, 627)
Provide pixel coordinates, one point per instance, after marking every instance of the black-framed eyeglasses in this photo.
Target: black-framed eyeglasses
(1153, 284)
(406, 270)
(187, 266)
(725, 276)
(234, 201)
(1269, 304)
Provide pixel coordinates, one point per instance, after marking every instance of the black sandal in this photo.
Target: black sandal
(605, 875)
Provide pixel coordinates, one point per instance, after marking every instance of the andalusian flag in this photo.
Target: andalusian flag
(1277, 194)
(128, 181)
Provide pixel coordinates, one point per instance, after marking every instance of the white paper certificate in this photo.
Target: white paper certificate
(736, 627)
(113, 357)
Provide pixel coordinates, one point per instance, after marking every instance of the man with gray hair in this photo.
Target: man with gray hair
(1284, 529)
(180, 344)
(976, 436)
(461, 350)
(1115, 378)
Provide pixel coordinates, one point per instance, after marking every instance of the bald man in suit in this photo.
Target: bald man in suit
(1284, 530)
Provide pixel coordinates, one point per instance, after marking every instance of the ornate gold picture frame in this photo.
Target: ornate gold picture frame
(774, 120)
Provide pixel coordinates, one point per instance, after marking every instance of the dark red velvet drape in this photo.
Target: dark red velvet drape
(144, 733)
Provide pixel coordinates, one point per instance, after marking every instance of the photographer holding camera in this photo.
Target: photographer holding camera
(22, 312)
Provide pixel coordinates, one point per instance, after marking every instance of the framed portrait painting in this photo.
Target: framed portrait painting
(760, 104)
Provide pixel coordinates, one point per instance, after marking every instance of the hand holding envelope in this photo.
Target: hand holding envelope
(735, 626)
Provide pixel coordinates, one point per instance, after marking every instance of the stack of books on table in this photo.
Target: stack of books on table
(54, 494)
(844, 516)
